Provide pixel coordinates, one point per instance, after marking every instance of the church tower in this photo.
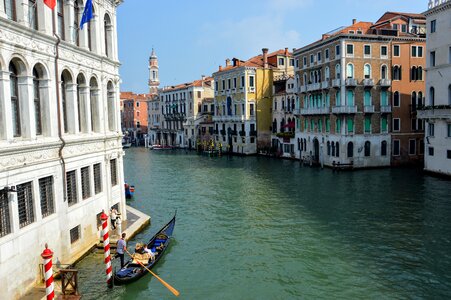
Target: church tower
(154, 81)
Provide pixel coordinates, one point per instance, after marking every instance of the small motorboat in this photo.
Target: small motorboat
(129, 190)
(160, 147)
(133, 269)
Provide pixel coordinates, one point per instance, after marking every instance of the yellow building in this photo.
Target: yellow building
(243, 100)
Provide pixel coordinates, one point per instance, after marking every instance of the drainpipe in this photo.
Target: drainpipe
(58, 100)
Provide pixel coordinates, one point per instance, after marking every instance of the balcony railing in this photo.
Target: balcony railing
(315, 111)
(351, 82)
(313, 87)
(436, 112)
(344, 109)
(336, 83)
(368, 109)
(368, 82)
(385, 109)
(385, 82)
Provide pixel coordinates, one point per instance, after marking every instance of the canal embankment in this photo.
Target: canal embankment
(135, 222)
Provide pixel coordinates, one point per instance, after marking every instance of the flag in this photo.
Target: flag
(50, 3)
(87, 13)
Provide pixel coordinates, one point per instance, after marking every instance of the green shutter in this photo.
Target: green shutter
(367, 98)
(327, 125)
(350, 98)
(384, 98)
(350, 125)
(337, 99)
(338, 126)
(320, 125)
(367, 124)
(384, 124)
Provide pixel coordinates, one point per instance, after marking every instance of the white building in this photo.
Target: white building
(61, 158)
(438, 88)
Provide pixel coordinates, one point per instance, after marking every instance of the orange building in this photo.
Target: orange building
(134, 114)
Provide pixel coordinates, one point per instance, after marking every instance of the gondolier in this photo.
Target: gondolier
(121, 247)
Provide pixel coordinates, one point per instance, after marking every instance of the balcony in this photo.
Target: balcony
(325, 84)
(297, 111)
(351, 82)
(313, 87)
(315, 111)
(385, 82)
(303, 88)
(336, 83)
(368, 82)
(368, 109)
(385, 109)
(344, 109)
(435, 112)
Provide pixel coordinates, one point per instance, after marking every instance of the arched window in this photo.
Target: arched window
(10, 9)
(66, 79)
(420, 73)
(33, 14)
(367, 71)
(333, 149)
(305, 79)
(413, 73)
(328, 148)
(274, 126)
(81, 87)
(37, 102)
(397, 73)
(367, 148)
(337, 98)
(60, 16)
(77, 16)
(337, 149)
(327, 73)
(432, 96)
(413, 101)
(110, 105)
(350, 149)
(383, 148)
(282, 125)
(15, 106)
(337, 71)
(108, 30)
(350, 71)
(420, 99)
(384, 72)
(95, 109)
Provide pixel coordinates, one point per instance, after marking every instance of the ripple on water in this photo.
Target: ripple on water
(255, 228)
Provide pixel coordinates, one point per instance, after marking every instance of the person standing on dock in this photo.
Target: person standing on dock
(113, 215)
(121, 247)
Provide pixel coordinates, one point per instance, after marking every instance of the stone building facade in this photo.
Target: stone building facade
(60, 140)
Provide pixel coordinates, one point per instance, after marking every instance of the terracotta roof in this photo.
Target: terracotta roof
(130, 95)
(389, 15)
(195, 83)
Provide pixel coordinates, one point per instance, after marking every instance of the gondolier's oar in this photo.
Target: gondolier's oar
(174, 291)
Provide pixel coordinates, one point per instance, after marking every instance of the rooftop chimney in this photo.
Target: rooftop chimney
(220, 68)
(227, 62)
(265, 57)
(354, 21)
(286, 51)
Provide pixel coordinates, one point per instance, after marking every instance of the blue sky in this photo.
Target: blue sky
(193, 37)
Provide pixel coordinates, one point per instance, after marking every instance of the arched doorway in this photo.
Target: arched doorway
(316, 150)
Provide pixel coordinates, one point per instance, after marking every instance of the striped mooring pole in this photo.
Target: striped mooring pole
(106, 249)
(47, 255)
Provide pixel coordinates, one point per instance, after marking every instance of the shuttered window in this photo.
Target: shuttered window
(71, 187)
(5, 219)
(25, 204)
(46, 194)
(85, 183)
(113, 172)
(97, 179)
(75, 234)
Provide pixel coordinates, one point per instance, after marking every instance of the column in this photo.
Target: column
(26, 107)
(71, 32)
(97, 111)
(48, 108)
(72, 109)
(85, 108)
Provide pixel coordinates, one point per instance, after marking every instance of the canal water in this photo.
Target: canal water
(259, 228)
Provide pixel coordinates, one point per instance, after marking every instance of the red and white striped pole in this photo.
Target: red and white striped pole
(47, 255)
(106, 249)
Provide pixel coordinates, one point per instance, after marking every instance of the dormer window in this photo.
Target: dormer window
(351, 31)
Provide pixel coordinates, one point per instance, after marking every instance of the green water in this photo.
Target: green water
(258, 228)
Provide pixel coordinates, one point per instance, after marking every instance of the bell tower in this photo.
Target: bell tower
(154, 81)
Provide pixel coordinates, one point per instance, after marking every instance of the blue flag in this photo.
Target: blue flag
(87, 13)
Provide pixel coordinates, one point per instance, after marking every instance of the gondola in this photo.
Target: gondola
(132, 270)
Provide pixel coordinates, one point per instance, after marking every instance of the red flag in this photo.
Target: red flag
(50, 3)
